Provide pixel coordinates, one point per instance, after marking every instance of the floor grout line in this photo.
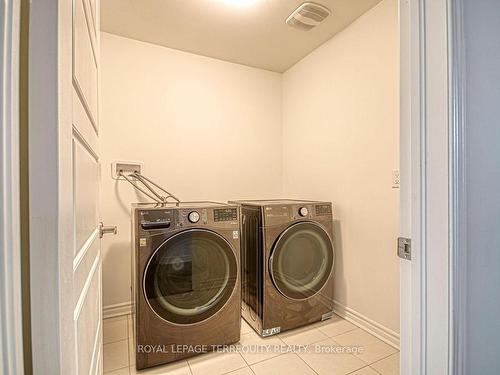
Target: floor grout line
(116, 369)
(307, 364)
(387, 356)
(361, 368)
(244, 358)
(359, 356)
(378, 360)
(349, 330)
(118, 318)
(267, 359)
(236, 369)
(189, 367)
(263, 360)
(114, 342)
(374, 369)
(312, 343)
(350, 354)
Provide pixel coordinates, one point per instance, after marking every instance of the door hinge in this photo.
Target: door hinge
(404, 248)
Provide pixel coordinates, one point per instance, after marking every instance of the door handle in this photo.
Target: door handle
(103, 229)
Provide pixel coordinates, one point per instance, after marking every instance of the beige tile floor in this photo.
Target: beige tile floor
(376, 358)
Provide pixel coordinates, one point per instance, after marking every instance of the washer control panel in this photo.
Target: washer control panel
(179, 218)
(323, 209)
(225, 214)
(192, 216)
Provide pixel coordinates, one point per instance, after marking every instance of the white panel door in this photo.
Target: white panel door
(85, 182)
(65, 255)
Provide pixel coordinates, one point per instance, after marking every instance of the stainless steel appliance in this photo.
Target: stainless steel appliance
(186, 283)
(287, 260)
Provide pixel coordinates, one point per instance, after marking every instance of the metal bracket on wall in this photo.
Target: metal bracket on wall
(404, 248)
(148, 187)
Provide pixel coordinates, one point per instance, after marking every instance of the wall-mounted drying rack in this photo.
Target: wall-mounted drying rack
(136, 178)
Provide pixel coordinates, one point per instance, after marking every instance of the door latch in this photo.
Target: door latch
(112, 229)
(404, 248)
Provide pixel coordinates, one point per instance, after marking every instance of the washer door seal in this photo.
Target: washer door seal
(190, 276)
(301, 260)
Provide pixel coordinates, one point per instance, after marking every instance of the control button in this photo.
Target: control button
(303, 211)
(194, 217)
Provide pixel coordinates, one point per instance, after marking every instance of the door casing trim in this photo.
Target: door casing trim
(11, 310)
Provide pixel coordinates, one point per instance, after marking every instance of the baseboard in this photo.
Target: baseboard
(383, 333)
(118, 309)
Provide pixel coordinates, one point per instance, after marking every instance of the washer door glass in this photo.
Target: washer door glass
(190, 276)
(301, 260)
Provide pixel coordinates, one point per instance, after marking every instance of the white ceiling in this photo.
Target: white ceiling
(252, 33)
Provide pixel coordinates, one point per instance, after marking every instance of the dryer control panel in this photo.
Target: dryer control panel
(278, 214)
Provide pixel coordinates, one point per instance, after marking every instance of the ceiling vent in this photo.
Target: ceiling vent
(307, 16)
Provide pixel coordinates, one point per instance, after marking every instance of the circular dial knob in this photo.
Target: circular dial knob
(303, 211)
(194, 217)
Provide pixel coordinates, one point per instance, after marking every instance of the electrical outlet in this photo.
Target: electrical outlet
(395, 178)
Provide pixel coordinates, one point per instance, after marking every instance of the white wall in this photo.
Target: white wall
(482, 97)
(340, 138)
(205, 129)
(325, 129)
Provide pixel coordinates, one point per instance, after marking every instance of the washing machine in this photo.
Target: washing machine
(186, 280)
(287, 260)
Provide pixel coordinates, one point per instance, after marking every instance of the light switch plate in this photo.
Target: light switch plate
(395, 178)
(125, 167)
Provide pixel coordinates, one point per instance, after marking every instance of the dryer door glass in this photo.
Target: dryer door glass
(301, 260)
(190, 276)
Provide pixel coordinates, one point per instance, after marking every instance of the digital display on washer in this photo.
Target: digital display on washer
(225, 214)
(323, 209)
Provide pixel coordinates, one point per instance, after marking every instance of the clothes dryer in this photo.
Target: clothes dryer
(287, 260)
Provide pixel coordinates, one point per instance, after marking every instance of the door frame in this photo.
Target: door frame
(428, 214)
(457, 170)
(432, 186)
(50, 197)
(11, 336)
